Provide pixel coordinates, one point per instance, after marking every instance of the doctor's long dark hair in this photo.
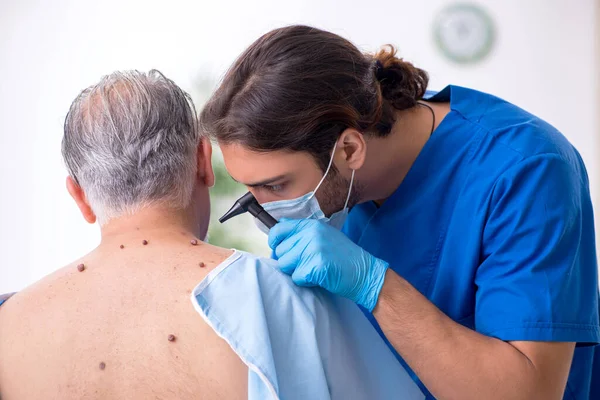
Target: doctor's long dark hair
(298, 88)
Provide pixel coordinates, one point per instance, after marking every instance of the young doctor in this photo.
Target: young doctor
(470, 243)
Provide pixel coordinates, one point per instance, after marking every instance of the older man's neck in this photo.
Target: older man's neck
(154, 223)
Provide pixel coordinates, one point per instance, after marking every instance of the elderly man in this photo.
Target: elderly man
(118, 323)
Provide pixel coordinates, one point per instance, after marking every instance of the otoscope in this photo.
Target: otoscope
(248, 203)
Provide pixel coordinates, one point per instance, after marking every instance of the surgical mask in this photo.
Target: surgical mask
(307, 206)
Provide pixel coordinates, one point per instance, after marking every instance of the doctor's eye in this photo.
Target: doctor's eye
(274, 188)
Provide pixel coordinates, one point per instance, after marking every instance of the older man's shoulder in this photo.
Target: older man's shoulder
(35, 298)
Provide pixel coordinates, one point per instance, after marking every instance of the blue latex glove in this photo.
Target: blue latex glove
(315, 254)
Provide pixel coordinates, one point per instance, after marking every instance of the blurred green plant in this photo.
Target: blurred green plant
(222, 196)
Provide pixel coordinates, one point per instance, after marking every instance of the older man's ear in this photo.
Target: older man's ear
(79, 196)
(205, 169)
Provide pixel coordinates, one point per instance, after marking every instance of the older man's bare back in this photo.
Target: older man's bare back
(123, 328)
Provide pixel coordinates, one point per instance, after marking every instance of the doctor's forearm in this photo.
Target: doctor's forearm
(452, 361)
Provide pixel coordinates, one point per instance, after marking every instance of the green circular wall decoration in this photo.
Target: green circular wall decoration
(464, 32)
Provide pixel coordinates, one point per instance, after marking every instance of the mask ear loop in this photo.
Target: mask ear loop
(349, 190)
(326, 172)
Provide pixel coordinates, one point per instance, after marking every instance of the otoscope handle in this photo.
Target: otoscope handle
(259, 213)
(266, 218)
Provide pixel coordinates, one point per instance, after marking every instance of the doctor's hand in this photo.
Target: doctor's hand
(315, 254)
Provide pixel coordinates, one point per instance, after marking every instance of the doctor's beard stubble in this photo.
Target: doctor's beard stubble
(334, 190)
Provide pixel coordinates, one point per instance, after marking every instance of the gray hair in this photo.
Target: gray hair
(131, 141)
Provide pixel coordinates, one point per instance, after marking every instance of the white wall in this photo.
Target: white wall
(544, 61)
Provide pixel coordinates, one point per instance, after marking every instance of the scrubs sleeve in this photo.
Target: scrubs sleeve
(538, 280)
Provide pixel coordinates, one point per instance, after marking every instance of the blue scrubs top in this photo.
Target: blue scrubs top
(494, 224)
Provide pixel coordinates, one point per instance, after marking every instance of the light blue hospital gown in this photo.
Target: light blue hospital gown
(298, 343)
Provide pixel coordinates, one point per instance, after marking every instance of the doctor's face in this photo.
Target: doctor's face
(282, 175)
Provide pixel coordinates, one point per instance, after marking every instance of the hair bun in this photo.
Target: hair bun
(379, 70)
(402, 84)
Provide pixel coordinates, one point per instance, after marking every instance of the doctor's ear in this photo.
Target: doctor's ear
(354, 147)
